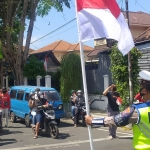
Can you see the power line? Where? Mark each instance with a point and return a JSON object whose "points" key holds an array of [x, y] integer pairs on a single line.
{"points": [[54, 30], [61, 32], [136, 2]]}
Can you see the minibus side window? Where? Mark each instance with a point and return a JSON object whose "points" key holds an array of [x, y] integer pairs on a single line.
{"points": [[27, 97], [20, 95], [13, 94]]}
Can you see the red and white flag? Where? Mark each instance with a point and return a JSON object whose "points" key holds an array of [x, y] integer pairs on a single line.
{"points": [[103, 19], [45, 63]]}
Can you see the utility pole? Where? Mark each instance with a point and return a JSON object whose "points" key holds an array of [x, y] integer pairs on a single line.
{"points": [[129, 59]]}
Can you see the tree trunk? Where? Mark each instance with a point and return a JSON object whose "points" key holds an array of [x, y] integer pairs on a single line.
{"points": [[1, 73], [19, 71], [30, 29]]}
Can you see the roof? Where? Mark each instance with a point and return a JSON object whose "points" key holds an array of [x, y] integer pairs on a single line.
{"points": [[30, 88], [77, 47], [30, 50], [144, 36], [61, 46], [138, 18], [97, 51]]}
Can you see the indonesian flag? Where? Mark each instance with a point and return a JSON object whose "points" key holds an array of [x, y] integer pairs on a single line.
{"points": [[45, 63], [103, 19]]}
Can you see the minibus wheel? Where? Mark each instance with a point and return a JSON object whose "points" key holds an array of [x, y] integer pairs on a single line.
{"points": [[12, 117]]}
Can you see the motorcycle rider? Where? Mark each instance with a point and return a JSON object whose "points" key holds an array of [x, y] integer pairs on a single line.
{"points": [[33, 97], [40, 103], [79, 101], [73, 95]]}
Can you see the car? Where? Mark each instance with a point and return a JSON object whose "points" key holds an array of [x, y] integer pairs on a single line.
{"points": [[19, 97]]}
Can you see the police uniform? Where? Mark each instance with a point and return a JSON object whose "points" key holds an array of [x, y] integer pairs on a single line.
{"points": [[137, 114]]}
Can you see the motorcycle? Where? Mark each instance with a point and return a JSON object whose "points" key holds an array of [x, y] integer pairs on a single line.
{"points": [[82, 115], [49, 124]]}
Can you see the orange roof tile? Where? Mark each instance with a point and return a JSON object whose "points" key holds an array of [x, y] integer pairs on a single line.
{"points": [[62, 46], [30, 50], [138, 18]]}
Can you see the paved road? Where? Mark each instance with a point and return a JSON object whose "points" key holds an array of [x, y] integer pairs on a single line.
{"points": [[18, 137]]}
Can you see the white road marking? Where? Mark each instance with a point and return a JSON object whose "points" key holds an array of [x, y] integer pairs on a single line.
{"points": [[62, 145], [117, 132], [56, 145]]}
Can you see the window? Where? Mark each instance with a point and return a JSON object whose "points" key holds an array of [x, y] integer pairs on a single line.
{"points": [[20, 95], [27, 97], [52, 96], [13, 94]]}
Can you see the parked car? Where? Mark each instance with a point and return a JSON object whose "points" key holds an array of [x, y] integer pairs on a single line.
{"points": [[19, 96]]}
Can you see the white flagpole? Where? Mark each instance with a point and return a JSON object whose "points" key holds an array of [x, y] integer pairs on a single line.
{"points": [[84, 80]]}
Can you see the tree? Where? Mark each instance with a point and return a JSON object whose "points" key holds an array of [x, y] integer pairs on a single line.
{"points": [[71, 75], [120, 75], [1, 66], [13, 15], [33, 68]]}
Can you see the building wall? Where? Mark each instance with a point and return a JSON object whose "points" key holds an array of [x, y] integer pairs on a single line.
{"points": [[137, 30], [59, 55], [95, 79], [144, 61], [51, 66]]}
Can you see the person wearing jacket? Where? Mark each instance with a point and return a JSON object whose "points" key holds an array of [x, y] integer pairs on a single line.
{"points": [[137, 114], [5, 105], [72, 97], [79, 102]]}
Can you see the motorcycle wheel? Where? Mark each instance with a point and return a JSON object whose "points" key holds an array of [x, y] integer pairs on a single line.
{"points": [[83, 120], [54, 131]]}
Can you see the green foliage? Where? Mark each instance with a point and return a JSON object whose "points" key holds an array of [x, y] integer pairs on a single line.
{"points": [[34, 68], [71, 75], [120, 74], [45, 6], [1, 56]]}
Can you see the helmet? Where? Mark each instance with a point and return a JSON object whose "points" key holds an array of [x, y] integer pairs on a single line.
{"points": [[79, 93], [40, 95], [73, 91], [4, 90]]}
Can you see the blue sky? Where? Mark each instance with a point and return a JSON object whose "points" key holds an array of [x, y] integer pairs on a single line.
{"points": [[69, 33]]}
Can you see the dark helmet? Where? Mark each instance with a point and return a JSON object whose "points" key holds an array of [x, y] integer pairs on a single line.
{"points": [[79, 93], [40, 95], [73, 91], [32, 96], [4, 89]]}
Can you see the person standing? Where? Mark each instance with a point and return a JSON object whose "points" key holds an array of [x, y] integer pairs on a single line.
{"points": [[137, 114], [5, 105], [112, 107], [72, 97]]}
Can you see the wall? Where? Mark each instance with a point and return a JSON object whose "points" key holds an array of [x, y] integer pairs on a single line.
{"points": [[95, 80], [144, 61], [136, 30]]}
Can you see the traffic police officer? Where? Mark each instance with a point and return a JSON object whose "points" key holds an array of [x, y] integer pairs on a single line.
{"points": [[137, 114]]}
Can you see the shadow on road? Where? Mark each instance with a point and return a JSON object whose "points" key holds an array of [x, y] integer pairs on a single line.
{"points": [[7, 141], [65, 124], [130, 138], [6, 132]]}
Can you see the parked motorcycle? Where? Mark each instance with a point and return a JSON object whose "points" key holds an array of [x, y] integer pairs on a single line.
{"points": [[49, 124]]}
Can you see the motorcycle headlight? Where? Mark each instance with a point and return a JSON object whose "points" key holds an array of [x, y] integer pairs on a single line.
{"points": [[60, 107]]}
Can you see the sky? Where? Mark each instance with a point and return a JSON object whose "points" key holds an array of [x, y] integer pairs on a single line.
{"points": [[69, 33]]}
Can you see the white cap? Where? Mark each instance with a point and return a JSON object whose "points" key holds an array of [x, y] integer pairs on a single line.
{"points": [[145, 75]]}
